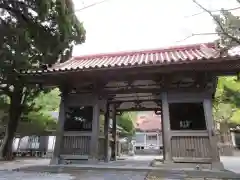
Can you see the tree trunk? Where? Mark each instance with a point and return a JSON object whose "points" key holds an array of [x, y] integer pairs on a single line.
{"points": [[14, 116]]}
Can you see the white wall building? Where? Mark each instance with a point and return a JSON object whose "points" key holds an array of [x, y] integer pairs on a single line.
{"points": [[148, 132], [148, 140]]}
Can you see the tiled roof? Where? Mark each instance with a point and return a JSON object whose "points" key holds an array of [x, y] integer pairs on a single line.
{"points": [[178, 54], [155, 57], [148, 122], [171, 55]]}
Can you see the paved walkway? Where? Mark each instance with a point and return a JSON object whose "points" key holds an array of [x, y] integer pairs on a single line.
{"points": [[111, 175], [19, 163], [9, 175], [231, 163], [81, 175]]}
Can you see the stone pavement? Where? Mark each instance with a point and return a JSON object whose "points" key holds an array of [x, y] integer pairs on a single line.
{"points": [[9, 175], [231, 163], [188, 175], [6, 172], [77, 173], [81, 175], [99, 175], [20, 163], [110, 175]]}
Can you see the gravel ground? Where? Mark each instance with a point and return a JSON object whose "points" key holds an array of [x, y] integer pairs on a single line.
{"points": [[20, 163], [110, 175], [231, 163], [155, 175], [10, 175], [81, 175], [97, 175]]}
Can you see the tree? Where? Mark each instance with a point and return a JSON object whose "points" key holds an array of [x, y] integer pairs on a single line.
{"points": [[226, 107], [126, 121], [227, 27], [38, 121], [227, 98], [33, 34]]}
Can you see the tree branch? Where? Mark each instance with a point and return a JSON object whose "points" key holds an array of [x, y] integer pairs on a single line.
{"points": [[219, 24], [196, 14], [197, 34], [94, 4]]}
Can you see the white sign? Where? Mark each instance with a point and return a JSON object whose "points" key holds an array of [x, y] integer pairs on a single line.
{"points": [[185, 124]]}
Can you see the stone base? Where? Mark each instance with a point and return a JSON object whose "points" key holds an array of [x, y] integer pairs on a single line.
{"points": [[225, 149], [93, 160], [54, 161], [131, 153], [217, 166]]}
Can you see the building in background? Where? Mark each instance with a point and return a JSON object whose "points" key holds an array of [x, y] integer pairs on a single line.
{"points": [[148, 137]]}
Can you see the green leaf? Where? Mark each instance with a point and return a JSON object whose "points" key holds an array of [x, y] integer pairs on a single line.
{"points": [[227, 100]]}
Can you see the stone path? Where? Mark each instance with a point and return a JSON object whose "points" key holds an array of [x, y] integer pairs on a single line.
{"points": [[9, 175], [110, 175], [81, 175], [20, 163], [155, 175], [94, 174], [231, 163], [98, 175]]}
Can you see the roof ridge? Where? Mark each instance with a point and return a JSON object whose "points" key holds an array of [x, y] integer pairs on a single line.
{"points": [[59, 65]]}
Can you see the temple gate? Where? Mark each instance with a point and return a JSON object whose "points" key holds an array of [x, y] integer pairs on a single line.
{"points": [[178, 83]]}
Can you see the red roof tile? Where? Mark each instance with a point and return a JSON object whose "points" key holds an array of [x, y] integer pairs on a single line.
{"points": [[178, 54], [148, 122]]}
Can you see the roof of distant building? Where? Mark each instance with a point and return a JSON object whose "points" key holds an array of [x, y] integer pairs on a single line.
{"points": [[148, 121]]}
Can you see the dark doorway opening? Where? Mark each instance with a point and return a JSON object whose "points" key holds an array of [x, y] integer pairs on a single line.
{"points": [[187, 116]]}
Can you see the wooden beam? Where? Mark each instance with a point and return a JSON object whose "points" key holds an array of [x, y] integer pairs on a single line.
{"points": [[139, 109], [166, 83], [151, 90], [98, 81], [133, 100]]}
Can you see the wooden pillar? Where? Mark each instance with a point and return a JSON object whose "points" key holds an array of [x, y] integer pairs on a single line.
{"points": [[106, 132], [95, 133], [207, 104], [59, 133], [114, 135], [166, 128]]}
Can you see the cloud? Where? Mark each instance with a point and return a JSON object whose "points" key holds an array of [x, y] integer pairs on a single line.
{"points": [[120, 25]]}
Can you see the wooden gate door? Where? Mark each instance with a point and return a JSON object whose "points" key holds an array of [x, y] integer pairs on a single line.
{"points": [[189, 132], [190, 146]]}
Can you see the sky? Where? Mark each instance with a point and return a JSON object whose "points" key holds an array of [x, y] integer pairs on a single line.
{"points": [[125, 25]]}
